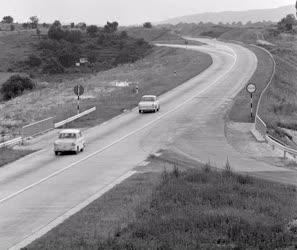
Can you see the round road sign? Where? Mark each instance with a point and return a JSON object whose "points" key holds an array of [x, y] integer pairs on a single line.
{"points": [[251, 88], [78, 90]]}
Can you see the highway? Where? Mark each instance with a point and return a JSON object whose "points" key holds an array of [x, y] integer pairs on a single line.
{"points": [[37, 192]]}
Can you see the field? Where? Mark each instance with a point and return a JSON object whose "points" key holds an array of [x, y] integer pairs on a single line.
{"points": [[154, 74], [179, 204], [14, 47]]}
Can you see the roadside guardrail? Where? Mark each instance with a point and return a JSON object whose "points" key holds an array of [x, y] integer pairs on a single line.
{"points": [[12, 142], [42, 127], [70, 119], [276, 144]]}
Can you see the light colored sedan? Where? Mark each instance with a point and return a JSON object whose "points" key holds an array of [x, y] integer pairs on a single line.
{"points": [[70, 140], [149, 103]]}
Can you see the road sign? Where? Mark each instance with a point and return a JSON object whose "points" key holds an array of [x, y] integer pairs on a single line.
{"points": [[251, 88], [78, 90]]}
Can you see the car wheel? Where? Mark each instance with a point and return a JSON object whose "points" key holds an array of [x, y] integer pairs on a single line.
{"points": [[82, 149], [77, 150], [56, 153], [140, 111]]}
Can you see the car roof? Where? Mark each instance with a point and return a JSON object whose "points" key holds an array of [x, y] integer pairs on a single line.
{"points": [[70, 131], [150, 96]]}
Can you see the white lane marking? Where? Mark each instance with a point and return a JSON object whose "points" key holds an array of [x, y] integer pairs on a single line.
{"points": [[122, 138], [44, 229]]}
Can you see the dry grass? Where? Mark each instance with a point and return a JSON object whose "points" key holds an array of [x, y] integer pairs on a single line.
{"points": [[154, 74], [8, 155], [182, 208]]}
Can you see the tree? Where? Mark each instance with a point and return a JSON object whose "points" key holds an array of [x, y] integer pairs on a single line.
{"points": [[111, 27], [72, 25], [12, 27], [92, 30], [55, 31], [286, 24], [38, 32], [147, 25], [34, 21], [7, 19]]}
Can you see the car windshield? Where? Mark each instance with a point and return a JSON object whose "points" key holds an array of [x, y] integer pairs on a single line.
{"points": [[67, 136], [148, 99]]}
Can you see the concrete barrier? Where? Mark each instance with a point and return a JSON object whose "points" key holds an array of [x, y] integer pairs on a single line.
{"points": [[37, 128], [260, 126]]}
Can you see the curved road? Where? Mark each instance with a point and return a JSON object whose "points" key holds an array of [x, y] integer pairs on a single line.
{"points": [[40, 189]]}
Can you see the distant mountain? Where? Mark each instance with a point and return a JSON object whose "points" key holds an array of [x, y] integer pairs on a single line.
{"points": [[273, 15]]}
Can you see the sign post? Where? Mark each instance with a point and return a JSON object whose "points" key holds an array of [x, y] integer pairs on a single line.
{"points": [[251, 89], [78, 90]]}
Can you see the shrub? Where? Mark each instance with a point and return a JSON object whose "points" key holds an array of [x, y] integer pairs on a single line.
{"points": [[55, 31], [12, 27], [73, 36], [147, 25], [15, 86], [123, 35], [92, 30], [34, 61], [52, 66]]}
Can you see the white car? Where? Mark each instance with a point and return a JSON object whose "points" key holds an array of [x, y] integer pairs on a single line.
{"points": [[149, 103], [69, 140]]}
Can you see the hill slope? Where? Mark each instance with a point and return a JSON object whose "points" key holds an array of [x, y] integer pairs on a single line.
{"points": [[235, 16]]}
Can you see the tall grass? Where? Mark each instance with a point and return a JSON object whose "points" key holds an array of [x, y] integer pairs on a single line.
{"points": [[212, 210]]}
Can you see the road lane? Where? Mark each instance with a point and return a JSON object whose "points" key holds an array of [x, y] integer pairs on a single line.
{"points": [[119, 145]]}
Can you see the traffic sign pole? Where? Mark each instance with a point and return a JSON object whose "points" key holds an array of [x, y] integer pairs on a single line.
{"points": [[78, 90], [78, 99], [251, 88], [251, 106]]}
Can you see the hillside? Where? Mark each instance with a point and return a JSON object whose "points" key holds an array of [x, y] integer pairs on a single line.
{"points": [[259, 15], [153, 34]]}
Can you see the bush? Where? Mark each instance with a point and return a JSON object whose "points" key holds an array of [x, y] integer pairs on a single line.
{"points": [[15, 86], [73, 36], [52, 66], [147, 25], [92, 30], [34, 61], [55, 32]]}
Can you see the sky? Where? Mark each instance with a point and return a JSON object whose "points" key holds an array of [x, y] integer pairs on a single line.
{"points": [[126, 12]]}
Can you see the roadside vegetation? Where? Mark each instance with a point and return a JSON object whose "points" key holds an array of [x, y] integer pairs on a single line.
{"points": [[162, 70], [8, 155], [182, 205], [240, 111], [278, 106]]}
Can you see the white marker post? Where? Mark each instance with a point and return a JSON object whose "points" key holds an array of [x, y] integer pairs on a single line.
{"points": [[251, 88]]}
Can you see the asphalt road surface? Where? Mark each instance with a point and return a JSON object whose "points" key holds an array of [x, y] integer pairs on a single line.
{"points": [[37, 190]]}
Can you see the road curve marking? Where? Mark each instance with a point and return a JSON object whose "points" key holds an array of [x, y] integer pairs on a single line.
{"points": [[122, 138]]}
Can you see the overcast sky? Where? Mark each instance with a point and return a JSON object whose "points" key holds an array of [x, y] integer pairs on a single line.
{"points": [[126, 12]]}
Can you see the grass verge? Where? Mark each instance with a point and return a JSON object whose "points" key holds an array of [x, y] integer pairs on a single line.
{"points": [[240, 111], [187, 207], [159, 72], [8, 155]]}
